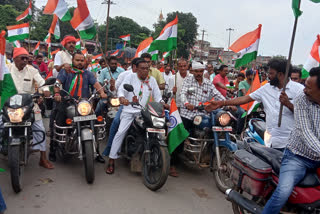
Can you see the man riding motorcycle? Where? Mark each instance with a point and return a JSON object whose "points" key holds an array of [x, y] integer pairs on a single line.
{"points": [[25, 77], [72, 82], [144, 86], [303, 150]]}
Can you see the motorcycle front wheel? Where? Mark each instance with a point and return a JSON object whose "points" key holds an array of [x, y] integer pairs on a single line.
{"points": [[222, 175], [155, 172], [88, 160], [16, 169]]}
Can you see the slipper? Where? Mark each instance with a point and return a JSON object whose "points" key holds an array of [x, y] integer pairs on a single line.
{"points": [[173, 172], [46, 164], [110, 169]]}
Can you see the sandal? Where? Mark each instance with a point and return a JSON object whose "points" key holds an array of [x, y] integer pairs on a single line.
{"points": [[110, 169], [173, 172]]}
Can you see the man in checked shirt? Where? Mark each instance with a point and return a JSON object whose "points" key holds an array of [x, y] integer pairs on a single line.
{"points": [[204, 91], [302, 153]]}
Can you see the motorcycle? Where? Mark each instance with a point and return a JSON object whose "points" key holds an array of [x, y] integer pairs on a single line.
{"points": [[145, 144], [18, 117], [255, 174], [210, 145], [81, 132]]}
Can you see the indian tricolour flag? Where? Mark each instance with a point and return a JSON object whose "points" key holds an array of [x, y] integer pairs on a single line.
{"points": [[220, 59], [165, 55], [125, 37], [115, 53], [18, 32], [7, 87], [313, 59], [143, 47], [27, 14], [176, 131], [96, 57], [58, 7], [55, 27], [154, 55], [78, 44], [82, 21], [167, 39], [247, 45], [36, 49], [16, 44]]}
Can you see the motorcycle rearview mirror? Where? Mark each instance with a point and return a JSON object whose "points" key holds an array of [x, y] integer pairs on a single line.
{"points": [[128, 87], [50, 81]]}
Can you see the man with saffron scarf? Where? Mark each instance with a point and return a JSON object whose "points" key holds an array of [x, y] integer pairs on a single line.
{"points": [[76, 82]]}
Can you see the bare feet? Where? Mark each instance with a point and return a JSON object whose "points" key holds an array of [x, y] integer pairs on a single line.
{"points": [[173, 172], [46, 164], [110, 167]]}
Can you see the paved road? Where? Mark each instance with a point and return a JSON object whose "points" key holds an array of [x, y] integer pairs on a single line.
{"points": [[65, 191]]}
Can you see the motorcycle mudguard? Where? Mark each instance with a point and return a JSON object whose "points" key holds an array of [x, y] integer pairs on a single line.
{"points": [[13, 141], [86, 134], [228, 144]]}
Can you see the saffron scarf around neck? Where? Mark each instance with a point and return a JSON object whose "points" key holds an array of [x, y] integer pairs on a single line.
{"points": [[76, 81]]}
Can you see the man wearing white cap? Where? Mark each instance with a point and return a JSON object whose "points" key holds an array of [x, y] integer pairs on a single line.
{"points": [[204, 91]]}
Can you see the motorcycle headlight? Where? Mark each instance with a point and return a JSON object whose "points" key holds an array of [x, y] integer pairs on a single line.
{"points": [[16, 115], [84, 108], [158, 122], [223, 118], [115, 102]]}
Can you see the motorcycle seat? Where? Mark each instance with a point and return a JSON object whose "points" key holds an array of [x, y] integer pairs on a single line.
{"points": [[260, 127], [274, 157]]}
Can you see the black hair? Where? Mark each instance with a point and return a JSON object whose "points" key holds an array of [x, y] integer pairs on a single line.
{"points": [[77, 52], [279, 65], [145, 55], [296, 70], [139, 61], [222, 67], [39, 56], [241, 75], [249, 72], [135, 60], [315, 72], [102, 61], [113, 58]]}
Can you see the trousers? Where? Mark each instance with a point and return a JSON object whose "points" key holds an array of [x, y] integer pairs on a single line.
{"points": [[292, 171], [125, 123]]}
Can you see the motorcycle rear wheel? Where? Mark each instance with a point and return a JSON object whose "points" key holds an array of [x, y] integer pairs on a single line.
{"points": [[222, 176], [88, 160], [155, 175], [239, 210], [16, 170]]}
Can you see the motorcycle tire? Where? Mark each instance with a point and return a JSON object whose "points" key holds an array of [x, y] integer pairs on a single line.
{"points": [[16, 170], [162, 154], [222, 177], [88, 160]]}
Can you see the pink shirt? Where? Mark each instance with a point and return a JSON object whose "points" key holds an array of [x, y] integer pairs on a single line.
{"points": [[218, 78]]}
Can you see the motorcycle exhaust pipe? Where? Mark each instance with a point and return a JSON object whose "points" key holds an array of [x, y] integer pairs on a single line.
{"points": [[243, 202]]}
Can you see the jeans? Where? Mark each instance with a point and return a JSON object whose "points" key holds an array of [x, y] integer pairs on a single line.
{"points": [[113, 130], [292, 171], [240, 122], [102, 104], [3, 206]]}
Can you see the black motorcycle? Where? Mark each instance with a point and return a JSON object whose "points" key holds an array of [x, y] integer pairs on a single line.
{"points": [[80, 133], [18, 117], [145, 144]]}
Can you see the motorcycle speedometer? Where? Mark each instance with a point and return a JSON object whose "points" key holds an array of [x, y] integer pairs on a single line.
{"points": [[84, 108]]}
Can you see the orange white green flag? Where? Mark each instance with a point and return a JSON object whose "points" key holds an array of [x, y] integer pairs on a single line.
{"points": [[176, 131], [27, 14], [7, 87], [313, 59], [58, 7], [82, 21], [55, 27], [247, 45], [18, 32], [143, 47], [36, 49]]}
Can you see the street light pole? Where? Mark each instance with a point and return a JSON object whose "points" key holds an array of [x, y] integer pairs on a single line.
{"points": [[107, 24], [229, 29]]}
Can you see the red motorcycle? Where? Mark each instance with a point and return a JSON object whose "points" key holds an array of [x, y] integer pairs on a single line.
{"points": [[255, 174]]}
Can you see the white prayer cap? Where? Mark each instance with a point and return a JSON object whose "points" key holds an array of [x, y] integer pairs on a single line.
{"points": [[197, 65]]}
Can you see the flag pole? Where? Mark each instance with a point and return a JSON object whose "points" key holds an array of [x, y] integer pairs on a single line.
{"points": [[29, 45], [288, 63]]}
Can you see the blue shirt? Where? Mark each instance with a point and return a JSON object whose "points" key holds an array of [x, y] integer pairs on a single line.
{"points": [[88, 79], [104, 74]]}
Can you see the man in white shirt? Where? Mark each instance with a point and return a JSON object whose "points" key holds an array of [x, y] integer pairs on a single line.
{"points": [[271, 96], [182, 73], [25, 77], [63, 59], [144, 86], [168, 77]]}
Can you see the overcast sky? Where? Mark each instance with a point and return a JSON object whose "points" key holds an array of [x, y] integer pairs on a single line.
{"points": [[215, 16]]}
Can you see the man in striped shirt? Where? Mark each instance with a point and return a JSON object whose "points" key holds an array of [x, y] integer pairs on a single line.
{"points": [[303, 150]]}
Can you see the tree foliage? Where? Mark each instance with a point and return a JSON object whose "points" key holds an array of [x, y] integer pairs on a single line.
{"points": [[8, 16]]}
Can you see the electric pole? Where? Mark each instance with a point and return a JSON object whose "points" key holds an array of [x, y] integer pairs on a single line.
{"points": [[109, 2], [229, 29], [201, 46]]}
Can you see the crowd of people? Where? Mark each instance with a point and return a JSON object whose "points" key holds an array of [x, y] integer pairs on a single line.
{"points": [[298, 136]]}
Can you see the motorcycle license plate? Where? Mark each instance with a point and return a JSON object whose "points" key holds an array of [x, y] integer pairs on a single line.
{"points": [[222, 129], [85, 118], [17, 124], [156, 130]]}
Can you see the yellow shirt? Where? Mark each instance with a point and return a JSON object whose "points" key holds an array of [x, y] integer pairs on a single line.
{"points": [[157, 75]]}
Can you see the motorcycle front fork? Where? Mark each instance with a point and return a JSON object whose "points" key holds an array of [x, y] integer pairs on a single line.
{"points": [[80, 142]]}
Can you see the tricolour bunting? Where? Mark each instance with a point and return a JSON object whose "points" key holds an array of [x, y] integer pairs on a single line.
{"points": [[27, 14], [247, 45], [55, 27], [58, 7], [18, 32], [167, 39], [176, 131], [313, 59], [82, 21], [7, 87], [143, 47]]}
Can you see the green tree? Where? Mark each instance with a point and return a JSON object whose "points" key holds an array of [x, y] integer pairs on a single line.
{"points": [[19, 5], [187, 31], [8, 16]]}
